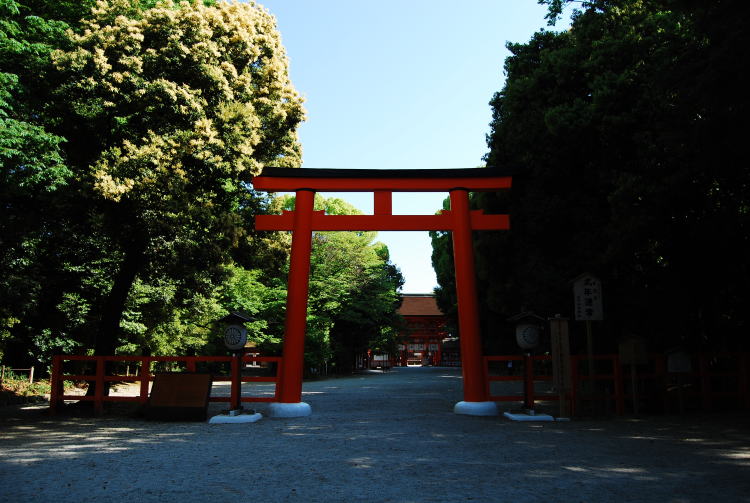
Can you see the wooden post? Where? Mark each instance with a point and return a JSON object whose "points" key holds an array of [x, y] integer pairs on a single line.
{"points": [[277, 383], [561, 374], [590, 353], [662, 380], [619, 398], [145, 375], [99, 391], [236, 389], [634, 387], [575, 383], [31, 375], [705, 382], [55, 384], [528, 382]]}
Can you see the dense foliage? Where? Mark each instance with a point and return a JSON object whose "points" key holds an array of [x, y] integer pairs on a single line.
{"points": [[624, 134], [130, 131]]}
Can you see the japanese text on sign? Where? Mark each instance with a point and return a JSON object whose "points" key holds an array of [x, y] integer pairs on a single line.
{"points": [[587, 294]]}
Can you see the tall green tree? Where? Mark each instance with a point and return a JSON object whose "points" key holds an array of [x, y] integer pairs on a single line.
{"points": [[34, 179], [169, 112], [622, 134]]}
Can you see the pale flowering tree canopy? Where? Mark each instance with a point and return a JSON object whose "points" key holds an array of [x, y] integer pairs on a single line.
{"points": [[169, 111], [181, 98]]}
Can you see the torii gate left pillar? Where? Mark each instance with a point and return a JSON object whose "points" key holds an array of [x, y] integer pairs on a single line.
{"points": [[460, 220]]}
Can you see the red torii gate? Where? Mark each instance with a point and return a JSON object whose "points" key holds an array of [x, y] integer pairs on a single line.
{"points": [[460, 220]]}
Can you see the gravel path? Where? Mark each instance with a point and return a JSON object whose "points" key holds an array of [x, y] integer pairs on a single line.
{"points": [[381, 438]]}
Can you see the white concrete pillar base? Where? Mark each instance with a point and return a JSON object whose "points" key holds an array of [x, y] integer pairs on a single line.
{"points": [[240, 418], [279, 409], [476, 408]]}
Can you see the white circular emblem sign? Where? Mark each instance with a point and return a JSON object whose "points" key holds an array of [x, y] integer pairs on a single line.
{"points": [[235, 337]]}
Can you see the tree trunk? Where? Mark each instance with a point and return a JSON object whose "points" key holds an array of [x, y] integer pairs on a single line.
{"points": [[114, 305], [109, 324]]}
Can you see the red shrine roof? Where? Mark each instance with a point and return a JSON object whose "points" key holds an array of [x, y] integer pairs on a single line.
{"points": [[419, 305]]}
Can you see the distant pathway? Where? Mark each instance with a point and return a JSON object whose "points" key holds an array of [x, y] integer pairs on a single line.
{"points": [[375, 438]]}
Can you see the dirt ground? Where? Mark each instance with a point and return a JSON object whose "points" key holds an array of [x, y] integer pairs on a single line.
{"points": [[380, 437]]}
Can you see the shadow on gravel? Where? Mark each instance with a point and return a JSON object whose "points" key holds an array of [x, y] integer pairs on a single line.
{"points": [[389, 438]]}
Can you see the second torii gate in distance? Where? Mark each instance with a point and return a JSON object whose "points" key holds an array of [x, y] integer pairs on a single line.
{"points": [[460, 220]]}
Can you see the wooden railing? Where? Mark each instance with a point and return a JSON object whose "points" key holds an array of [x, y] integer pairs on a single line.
{"points": [[651, 382], [29, 370], [144, 377], [526, 378]]}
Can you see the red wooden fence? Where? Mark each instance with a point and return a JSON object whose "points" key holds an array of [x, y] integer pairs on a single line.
{"points": [[715, 378], [144, 376], [700, 387]]}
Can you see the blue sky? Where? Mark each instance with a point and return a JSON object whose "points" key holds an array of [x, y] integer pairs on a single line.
{"points": [[400, 85]]}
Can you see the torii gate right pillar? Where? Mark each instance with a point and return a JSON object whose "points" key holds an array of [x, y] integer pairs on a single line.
{"points": [[475, 401]]}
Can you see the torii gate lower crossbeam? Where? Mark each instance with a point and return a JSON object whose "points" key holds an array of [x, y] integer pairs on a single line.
{"points": [[460, 220]]}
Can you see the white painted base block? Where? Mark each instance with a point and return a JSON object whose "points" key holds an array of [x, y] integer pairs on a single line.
{"points": [[528, 417], [299, 409], [239, 418], [476, 408]]}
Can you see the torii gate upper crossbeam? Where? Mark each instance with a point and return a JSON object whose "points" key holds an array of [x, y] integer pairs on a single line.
{"points": [[393, 180]]}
